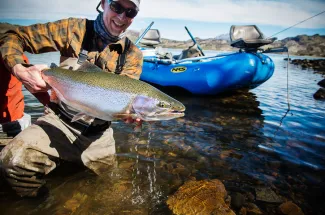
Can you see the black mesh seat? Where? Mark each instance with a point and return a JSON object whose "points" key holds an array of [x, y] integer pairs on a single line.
{"points": [[248, 37]]}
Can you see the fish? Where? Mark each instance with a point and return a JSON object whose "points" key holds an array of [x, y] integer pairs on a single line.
{"points": [[95, 93]]}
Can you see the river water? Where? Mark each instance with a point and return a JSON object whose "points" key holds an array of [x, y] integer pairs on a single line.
{"points": [[241, 139]]}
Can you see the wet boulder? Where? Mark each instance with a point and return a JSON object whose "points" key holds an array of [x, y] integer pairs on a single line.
{"points": [[200, 197], [266, 194], [290, 208], [252, 209], [237, 200], [320, 94], [321, 83], [315, 64]]}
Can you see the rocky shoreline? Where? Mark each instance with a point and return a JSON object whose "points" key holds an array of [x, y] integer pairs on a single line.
{"points": [[318, 66]]}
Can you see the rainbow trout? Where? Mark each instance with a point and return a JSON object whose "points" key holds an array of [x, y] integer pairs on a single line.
{"points": [[106, 96]]}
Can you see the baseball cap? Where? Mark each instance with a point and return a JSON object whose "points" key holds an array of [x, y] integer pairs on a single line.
{"points": [[136, 2]]}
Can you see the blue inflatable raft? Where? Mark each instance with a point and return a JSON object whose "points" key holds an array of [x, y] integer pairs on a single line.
{"points": [[208, 75]]}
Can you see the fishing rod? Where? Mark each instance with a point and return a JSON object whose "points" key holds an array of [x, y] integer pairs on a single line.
{"points": [[296, 24], [143, 34], [198, 46]]}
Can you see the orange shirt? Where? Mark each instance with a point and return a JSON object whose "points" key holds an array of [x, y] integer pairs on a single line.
{"points": [[11, 96]]}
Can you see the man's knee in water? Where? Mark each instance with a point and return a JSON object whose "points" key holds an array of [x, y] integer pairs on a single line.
{"points": [[23, 168]]}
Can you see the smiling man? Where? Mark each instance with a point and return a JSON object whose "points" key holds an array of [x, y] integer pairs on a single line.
{"points": [[37, 150], [118, 24]]}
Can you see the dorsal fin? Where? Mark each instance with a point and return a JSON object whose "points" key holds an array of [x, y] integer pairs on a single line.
{"points": [[89, 67]]}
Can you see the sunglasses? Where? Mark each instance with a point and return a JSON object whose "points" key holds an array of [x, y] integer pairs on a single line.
{"points": [[119, 9]]}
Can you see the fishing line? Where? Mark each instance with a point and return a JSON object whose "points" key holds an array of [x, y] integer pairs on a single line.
{"points": [[288, 98], [296, 24]]}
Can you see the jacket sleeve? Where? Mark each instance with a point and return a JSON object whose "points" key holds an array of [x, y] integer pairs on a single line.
{"points": [[133, 64], [41, 38]]}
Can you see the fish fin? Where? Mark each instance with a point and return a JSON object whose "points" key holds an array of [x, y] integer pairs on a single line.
{"points": [[53, 65], [89, 67], [88, 118], [58, 95], [79, 116]]}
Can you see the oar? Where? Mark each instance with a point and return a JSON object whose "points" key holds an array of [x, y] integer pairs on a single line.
{"points": [[143, 34], [189, 33]]}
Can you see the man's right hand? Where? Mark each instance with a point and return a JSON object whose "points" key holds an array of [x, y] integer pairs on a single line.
{"points": [[31, 77]]}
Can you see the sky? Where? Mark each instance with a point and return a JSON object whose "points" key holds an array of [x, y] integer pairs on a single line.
{"points": [[204, 18]]}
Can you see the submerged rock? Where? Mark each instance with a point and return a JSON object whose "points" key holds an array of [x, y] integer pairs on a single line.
{"points": [[266, 194], [315, 64], [200, 197], [237, 200], [252, 209], [289, 208], [320, 94], [73, 204], [321, 83]]}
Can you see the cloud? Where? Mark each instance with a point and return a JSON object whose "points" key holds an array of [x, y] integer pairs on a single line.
{"points": [[47, 10], [242, 11], [267, 12]]}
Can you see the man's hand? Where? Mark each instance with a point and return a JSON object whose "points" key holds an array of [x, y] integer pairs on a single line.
{"points": [[137, 121], [31, 77], [23, 181]]}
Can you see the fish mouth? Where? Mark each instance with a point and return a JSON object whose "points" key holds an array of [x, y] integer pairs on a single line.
{"points": [[177, 112], [171, 113]]}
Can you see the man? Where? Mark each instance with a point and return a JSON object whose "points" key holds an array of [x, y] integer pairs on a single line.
{"points": [[12, 117], [36, 150]]}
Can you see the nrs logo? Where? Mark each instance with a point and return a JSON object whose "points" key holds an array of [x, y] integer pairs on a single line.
{"points": [[178, 69]]}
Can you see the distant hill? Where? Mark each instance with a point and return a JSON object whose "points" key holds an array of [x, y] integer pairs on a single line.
{"points": [[302, 45], [5, 27], [223, 37]]}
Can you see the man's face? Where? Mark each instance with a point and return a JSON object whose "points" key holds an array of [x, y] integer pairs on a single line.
{"points": [[117, 23]]}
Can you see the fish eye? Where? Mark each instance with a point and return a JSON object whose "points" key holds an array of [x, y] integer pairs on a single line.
{"points": [[163, 105]]}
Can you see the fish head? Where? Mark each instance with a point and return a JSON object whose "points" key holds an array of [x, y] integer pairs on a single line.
{"points": [[164, 107]]}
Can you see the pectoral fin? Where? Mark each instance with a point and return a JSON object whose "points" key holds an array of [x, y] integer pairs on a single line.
{"points": [[82, 116]]}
